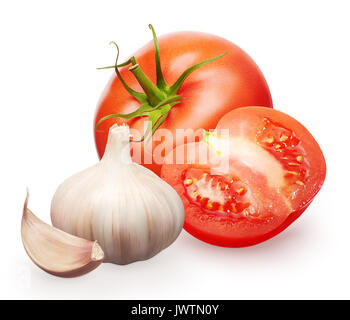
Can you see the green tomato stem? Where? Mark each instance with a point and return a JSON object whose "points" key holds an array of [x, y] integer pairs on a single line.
{"points": [[153, 93]]}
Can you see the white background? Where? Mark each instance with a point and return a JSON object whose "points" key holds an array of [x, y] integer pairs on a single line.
{"points": [[49, 88]]}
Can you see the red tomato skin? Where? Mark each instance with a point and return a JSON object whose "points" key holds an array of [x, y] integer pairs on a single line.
{"points": [[207, 94], [240, 243]]}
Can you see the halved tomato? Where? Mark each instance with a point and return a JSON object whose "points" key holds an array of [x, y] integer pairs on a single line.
{"points": [[249, 179]]}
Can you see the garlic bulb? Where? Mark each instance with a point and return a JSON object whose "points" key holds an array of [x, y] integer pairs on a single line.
{"points": [[128, 209]]}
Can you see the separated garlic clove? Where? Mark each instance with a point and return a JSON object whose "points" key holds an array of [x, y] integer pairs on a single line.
{"points": [[128, 209], [55, 251]]}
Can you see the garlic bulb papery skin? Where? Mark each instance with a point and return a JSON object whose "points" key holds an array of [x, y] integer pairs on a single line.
{"points": [[129, 210]]}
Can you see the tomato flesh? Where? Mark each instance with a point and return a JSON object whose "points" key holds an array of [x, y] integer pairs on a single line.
{"points": [[265, 178]]}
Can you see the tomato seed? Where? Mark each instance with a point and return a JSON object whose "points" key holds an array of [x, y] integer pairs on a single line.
{"points": [[284, 138], [188, 182], [241, 191]]}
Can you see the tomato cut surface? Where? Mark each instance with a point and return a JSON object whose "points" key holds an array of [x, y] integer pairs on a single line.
{"points": [[249, 184]]}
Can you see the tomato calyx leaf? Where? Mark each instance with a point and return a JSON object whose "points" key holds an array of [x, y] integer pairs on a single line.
{"points": [[177, 85], [156, 115], [157, 99], [160, 78]]}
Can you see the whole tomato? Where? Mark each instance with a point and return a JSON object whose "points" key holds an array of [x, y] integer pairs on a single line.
{"points": [[185, 87]]}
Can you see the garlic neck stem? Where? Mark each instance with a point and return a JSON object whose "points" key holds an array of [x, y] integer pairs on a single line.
{"points": [[117, 147]]}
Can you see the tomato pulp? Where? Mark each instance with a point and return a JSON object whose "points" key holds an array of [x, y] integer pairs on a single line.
{"points": [[207, 94], [245, 185]]}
